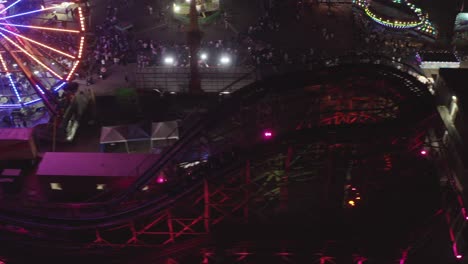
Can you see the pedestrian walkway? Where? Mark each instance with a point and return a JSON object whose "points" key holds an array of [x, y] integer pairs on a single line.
{"points": [[117, 76]]}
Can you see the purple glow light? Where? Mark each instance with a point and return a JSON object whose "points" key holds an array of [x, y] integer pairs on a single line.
{"points": [[161, 179], [267, 134]]}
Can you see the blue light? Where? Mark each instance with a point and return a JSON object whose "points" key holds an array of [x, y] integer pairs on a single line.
{"points": [[37, 86], [26, 13], [10, 105], [33, 101], [60, 86], [14, 87]]}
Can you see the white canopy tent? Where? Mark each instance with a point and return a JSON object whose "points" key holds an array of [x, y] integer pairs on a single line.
{"points": [[164, 131], [139, 132], [123, 134]]}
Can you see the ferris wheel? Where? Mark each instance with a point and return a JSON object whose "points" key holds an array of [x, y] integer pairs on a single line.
{"points": [[41, 46]]}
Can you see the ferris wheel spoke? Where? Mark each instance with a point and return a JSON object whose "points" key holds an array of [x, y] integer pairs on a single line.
{"points": [[12, 83], [38, 43], [10, 6], [41, 28], [31, 56], [29, 12]]}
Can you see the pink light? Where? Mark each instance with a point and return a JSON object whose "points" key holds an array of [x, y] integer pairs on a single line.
{"points": [[423, 152], [31, 56], [267, 134], [38, 43], [459, 256], [161, 179]]}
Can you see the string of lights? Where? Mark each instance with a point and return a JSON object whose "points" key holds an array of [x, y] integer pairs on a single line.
{"points": [[421, 23]]}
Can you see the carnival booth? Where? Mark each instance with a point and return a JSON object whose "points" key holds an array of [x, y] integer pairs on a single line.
{"points": [[17, 144], [79, 177]]}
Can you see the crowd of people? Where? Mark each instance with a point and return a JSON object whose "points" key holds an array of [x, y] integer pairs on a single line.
{"points": [[115, 46]]}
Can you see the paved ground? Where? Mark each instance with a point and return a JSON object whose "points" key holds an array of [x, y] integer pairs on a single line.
{"points": [[294, 34]]}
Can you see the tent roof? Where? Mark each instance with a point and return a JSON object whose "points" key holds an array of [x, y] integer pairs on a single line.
{"points": [[138, 132], [115, 134], [165, 130]]}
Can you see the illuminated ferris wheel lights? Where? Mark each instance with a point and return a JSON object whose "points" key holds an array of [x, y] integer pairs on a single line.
{"points": [[31, 56], [80, 12], [38, 43], [39, 88], [60, 86], [80, 50], [43, 28], [10, 6], [30, 12], [15, 90], [72, 71], [17, 41], [3, 63]]}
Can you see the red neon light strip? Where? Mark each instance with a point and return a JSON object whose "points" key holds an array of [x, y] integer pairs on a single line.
{"points": [[38, 43], [32, 57], [43, 28]]}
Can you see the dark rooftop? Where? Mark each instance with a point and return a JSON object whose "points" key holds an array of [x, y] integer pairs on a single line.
{"points": [[438, 56]]}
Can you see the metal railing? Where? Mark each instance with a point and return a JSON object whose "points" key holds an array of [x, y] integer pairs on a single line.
{"points": [[176, 79]]}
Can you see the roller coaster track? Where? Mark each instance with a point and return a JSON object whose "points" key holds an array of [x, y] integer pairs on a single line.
{"points": [[215, 194]]}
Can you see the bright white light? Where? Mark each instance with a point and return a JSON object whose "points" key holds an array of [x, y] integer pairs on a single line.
{"points": [[169, 60], [225, 60], [454, 98], [56, 186], [176, 8], [36, 72], [187, 1], [203, 56]]}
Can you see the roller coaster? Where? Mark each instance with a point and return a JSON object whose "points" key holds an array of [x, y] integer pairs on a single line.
{"points": [[339, 169]]}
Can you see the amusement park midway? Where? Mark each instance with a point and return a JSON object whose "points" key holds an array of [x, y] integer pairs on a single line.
{"points": [[297, 30], [149, 130]]}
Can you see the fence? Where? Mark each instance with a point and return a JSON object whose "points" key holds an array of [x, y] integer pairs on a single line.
{"points": [[176, 79]]}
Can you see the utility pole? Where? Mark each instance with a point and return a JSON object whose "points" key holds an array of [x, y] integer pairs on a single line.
{"points": [[194, 36]]}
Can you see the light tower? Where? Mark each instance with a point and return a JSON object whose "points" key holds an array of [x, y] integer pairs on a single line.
{"points": [[194, 36]]}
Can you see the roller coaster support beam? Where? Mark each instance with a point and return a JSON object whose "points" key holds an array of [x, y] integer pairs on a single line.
{"points": [[206, 213]]}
